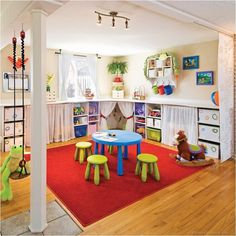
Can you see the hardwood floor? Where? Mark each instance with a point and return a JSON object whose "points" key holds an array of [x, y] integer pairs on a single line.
{"points": [[203, 203]]}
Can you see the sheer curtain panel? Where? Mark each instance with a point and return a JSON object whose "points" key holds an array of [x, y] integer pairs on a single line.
{"points": [[175, 118], [105, 108], [127, 109]]}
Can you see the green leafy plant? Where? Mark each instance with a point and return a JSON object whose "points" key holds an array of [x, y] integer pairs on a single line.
{"points": [[117, 67]]}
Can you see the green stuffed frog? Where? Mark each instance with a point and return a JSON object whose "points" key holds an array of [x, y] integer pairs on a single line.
{"points": [[10, 165]]}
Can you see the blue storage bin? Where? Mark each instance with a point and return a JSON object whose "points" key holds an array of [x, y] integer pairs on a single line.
{"points": [[80, 131]]}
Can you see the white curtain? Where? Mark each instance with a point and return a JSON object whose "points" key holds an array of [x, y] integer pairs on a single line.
{"points": [[105, 108], [175, 118], [64, 67], [59, 123], [92, 62], [226, 94], [127, 109]]}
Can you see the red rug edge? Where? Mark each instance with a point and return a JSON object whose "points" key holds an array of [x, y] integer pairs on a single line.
{"points": [[124, 206]]}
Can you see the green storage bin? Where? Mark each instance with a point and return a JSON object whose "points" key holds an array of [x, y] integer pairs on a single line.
{"points": [[154, 134]]}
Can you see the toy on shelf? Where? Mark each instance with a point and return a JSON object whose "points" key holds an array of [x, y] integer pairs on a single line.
{"points": [[140, 120], [88, 94], [80, 110], [154, 113], [93, 108], [139, 93], [139, 109], [189, 154], [140, 129], [11, 169]]}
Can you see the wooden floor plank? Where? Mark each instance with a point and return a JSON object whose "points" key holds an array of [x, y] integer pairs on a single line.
{"points": [[203, 203]]}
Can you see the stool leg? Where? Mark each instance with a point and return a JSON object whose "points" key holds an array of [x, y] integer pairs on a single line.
{"points": [[91, 150], [144, 172], [106, 171], [76, 154], [110, 149], [81, 155], [96, 175], [137, 168], [150, 168], [102, 149], [125, 152], [156, 172], [87, 171]]}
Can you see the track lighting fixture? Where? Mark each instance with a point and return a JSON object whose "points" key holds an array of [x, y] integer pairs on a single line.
{"points": [[114, 15], [99, 19]]}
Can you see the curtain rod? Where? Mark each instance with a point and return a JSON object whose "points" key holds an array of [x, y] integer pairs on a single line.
{"points": [[76, 55]]}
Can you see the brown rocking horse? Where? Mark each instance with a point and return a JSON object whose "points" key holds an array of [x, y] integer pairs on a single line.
{"points": [[189, 154]]}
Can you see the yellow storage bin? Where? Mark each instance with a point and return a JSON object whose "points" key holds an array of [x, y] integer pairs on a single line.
{"points": [[154, 134]]}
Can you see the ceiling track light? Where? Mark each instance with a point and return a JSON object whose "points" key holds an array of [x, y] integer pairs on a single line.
{"points": [[113, 15], [99, 19]]}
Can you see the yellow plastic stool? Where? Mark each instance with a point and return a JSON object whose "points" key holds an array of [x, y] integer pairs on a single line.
{"points": [[97, 160], [145, 160], [82, 149]]}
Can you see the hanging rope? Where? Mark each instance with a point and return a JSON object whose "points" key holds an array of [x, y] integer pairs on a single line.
{"points": [[14, 40], [23, 162]]}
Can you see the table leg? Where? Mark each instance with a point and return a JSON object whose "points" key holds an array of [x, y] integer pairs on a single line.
{"points": [[126, 152], [120, 161], [96, 148], [103, 149], [138, 148]]}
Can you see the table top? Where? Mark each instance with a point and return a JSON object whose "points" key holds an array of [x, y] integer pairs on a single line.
{"points": [[122, 137]]}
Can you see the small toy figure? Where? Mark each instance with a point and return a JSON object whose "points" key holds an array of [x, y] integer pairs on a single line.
{"points": [[190, 155], [187, 151], [9, 166]]}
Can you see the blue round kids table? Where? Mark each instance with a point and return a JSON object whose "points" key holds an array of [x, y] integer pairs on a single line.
{"points": [[121, 138]]}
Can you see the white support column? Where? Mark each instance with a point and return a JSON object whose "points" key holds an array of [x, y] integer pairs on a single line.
{"points": [[38, 220]]}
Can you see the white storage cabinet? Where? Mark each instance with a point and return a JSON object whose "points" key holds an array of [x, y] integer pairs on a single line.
{"points": [[209, 131]]}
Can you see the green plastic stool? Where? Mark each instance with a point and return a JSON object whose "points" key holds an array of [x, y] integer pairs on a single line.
{"points": [[145, 161], [97, 160], [81, 151]]}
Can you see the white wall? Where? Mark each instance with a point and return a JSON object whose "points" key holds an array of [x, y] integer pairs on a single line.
{"points": [[186, 86]]}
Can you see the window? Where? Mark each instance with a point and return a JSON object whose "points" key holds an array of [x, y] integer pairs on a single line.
{"points": [[77, 73]]}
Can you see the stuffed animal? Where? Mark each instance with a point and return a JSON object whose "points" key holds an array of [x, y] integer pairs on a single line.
{"points": [[187, 151], [9, 166]]}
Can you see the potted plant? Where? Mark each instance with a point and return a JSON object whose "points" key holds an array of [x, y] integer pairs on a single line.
{"points": [[117, 68]]}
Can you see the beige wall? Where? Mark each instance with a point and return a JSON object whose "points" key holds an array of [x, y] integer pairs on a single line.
{"points": [[104, 79], [6, 66], [186, 85]]}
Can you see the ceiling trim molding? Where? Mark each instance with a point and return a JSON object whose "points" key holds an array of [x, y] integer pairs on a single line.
{"points": [[196, 20]]}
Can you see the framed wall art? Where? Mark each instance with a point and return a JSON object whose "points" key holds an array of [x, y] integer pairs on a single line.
{"points": [[204, 78], [190, 63]]}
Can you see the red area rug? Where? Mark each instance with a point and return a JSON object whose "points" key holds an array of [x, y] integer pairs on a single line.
{"points": [[90, 203]]}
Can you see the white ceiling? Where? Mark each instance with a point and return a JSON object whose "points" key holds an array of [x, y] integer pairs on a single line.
{"points": [[154, 25]]}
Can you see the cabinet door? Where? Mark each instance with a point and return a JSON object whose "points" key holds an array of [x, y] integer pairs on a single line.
{"points": [[213, 150], [9, 142], [210, 133], [9, 113], [209, 116], [9, 129]]}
